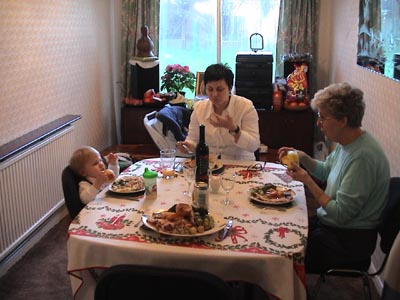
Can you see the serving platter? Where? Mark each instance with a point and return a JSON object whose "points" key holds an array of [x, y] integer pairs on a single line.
{"points": [[270, 194], [219, 224]]}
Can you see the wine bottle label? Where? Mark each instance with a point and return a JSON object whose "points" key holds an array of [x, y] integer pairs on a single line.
{"points": [[202, 168]]}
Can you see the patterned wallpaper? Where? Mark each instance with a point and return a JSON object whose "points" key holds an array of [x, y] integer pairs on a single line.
{"points": [[55, 60], [337, 56]]}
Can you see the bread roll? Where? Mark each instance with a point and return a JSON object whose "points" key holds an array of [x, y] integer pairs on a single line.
{"points": [[110, 175]]}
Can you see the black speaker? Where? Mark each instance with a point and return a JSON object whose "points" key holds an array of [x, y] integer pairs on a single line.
{"points": [[254, 77]]}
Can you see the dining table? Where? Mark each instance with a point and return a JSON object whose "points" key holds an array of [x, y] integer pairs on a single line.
{"points": [[265, 245]]}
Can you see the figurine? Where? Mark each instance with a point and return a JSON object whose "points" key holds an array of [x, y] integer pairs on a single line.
{"points": [[145, 43]]}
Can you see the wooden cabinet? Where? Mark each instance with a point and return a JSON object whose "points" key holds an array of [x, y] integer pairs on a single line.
{"points": [[287, 128], [277, 128], [132, 127]]}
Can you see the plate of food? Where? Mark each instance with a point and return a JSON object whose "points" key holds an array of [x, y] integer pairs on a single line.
{"points": [[128, 184], [183, 220], [271, 194]]}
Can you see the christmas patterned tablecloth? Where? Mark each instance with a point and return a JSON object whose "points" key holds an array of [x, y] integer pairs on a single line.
{"points": [[265, 245]]}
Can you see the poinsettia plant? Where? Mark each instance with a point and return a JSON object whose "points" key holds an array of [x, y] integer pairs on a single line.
{"points": [[177, 77]]}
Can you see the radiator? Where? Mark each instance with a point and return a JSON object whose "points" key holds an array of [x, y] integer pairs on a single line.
{"points": [[30, 188]]}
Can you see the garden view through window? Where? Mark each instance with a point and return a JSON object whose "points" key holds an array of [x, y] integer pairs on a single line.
{"points": [[189, 31]]}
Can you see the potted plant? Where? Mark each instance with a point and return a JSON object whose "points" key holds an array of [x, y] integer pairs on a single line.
{"points": [[176, 78]]}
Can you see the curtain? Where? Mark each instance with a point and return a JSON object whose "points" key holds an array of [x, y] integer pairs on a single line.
{"points": [[297, 31], [134, 15]]}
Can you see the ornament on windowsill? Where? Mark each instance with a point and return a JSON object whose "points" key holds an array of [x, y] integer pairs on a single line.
{"points": [[144, 47], [145, 44], [297, 97]]}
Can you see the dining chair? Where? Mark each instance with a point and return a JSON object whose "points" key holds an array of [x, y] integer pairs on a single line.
{"points": [[127, 281], [70, 185], [391, 284], [387, 230]]}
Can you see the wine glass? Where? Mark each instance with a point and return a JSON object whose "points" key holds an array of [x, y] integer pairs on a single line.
{"points": [[228, 179], [189, 173]]}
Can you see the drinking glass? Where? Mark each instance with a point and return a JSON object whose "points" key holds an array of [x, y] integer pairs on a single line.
{"points": [[189, 174], [228, 179], [212, 160], [167, 157], [215, 182]]}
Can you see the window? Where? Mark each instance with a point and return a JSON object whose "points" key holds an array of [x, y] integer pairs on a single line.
{"points": [[189, 31]]}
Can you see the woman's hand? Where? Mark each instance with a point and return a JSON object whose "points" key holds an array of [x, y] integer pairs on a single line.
{"points": [[283, 151], [219, 121], [185, 147], [299, 174]]}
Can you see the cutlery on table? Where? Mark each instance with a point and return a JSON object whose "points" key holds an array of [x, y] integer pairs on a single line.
{"points": [[223, 234]]}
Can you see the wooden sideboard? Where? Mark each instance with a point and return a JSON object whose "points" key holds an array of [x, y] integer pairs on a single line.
{"points": [[287, 128], [277, 128], [132, 127]]}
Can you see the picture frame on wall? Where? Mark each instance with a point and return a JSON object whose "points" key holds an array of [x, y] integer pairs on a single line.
{"points": [[200, 87]]}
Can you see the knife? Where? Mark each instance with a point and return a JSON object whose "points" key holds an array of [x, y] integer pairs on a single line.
{"points": [[224, 233]]}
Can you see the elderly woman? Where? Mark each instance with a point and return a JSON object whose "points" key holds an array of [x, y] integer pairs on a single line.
{"points": [[357, 175], [231, 122]]}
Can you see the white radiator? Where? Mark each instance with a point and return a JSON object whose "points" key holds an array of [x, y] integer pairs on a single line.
{"points": [[30, 188]]}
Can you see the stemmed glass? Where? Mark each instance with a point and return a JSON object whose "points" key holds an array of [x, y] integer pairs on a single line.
{"points": [[228, 179], [189, 173]]}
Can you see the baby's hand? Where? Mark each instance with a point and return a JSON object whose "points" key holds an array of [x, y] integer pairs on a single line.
{"points": [[101, 179], [112, 158]]}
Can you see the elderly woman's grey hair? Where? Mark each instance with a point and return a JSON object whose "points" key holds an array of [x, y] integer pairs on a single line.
{"points": [[341, 100]]}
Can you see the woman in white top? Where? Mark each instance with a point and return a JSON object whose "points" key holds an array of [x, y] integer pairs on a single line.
{"points": [[231, 121]]}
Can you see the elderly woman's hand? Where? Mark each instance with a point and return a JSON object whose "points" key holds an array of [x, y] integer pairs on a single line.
{"points": [[298, 173]]}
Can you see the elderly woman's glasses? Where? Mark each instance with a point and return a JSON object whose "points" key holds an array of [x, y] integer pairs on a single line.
{"points": [[322, 119]]}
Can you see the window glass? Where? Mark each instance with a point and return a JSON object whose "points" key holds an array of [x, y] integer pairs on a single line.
{"points": [[188, 31]]}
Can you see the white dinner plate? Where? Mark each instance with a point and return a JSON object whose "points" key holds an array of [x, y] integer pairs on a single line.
{"points": [[219, 224], [263, 199], [118, 187]]}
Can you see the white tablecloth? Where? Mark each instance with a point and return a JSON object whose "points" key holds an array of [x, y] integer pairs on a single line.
{"points": [[266, 245]]}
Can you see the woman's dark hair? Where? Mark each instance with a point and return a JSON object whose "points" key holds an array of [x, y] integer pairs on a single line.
{"points": [[217, 72]]}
